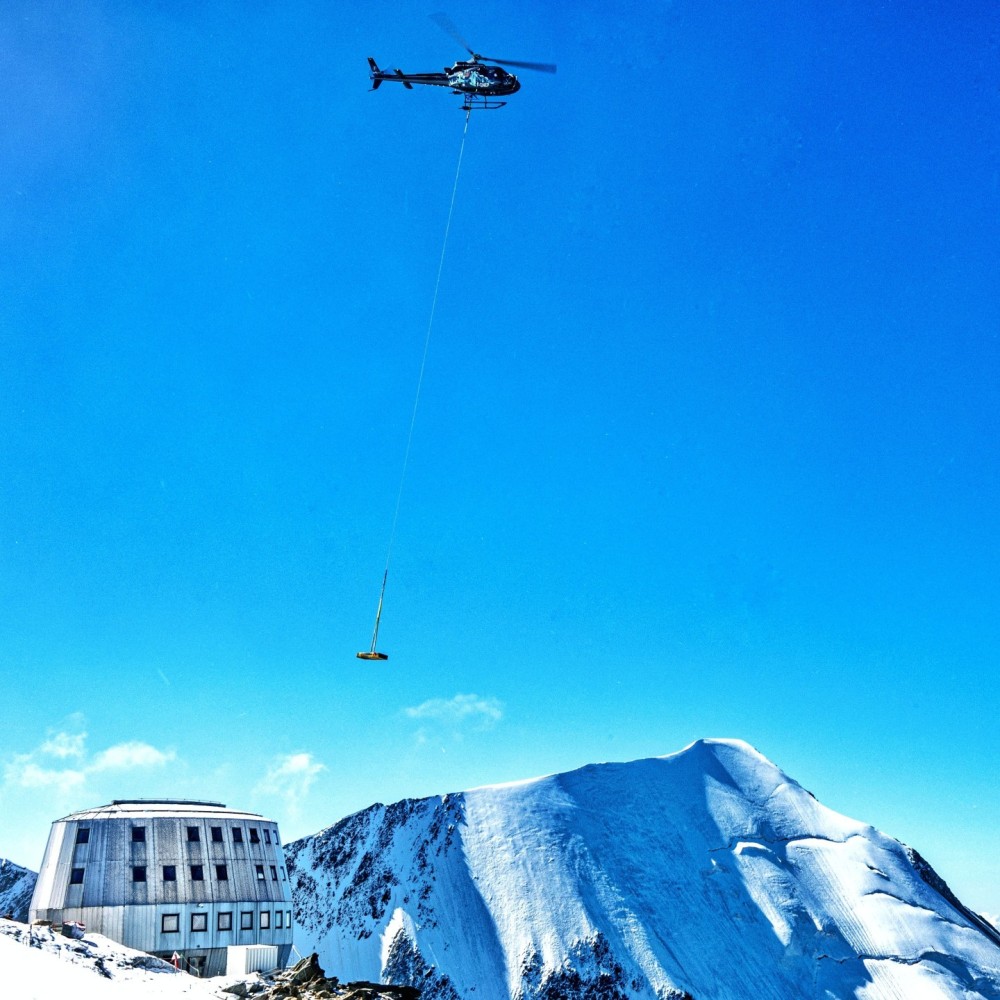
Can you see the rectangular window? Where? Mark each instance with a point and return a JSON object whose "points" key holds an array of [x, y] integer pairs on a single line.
{"points": [[260, 873], [288, 918], [254, 835], [221, 874], [199, 922], [193, 835], [282, 873], [274, 874], [277, 919], [216, 834], [237, 834], [138, 835], [169, 873], [197, 873], [170, 923], [267, 835], [76, 876], [246, 921], [225, 921], [138, 873], [265, 919], [83, 835]]}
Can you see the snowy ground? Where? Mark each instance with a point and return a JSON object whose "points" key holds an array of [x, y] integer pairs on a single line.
{"points": [[36, 964]]}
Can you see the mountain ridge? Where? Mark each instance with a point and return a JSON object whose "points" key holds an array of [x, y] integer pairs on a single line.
{"points": [[631, 880], [16, 886]]}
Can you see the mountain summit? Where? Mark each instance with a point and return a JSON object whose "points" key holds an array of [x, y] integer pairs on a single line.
{"points": [[707, 874]]}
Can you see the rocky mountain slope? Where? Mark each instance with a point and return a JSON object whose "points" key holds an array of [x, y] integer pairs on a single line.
{"points": [[706, 874], [16, 886]]}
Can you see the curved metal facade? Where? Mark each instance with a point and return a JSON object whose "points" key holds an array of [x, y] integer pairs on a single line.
{"points": [[193, 878]]}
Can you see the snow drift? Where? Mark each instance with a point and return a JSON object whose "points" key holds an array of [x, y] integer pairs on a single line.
{"points": [[707, 874]]}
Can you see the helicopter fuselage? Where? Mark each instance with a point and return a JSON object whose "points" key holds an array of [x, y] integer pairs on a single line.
{"points": [[482, 79], [472, 78]]}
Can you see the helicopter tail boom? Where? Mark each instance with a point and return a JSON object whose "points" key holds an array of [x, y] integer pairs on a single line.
{"points": [[379, 76]]}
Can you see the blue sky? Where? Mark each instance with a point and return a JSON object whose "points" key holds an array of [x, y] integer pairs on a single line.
{"points": [[707, 443]]}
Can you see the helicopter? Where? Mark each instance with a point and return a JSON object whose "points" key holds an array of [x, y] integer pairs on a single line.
{"points": [[479, 82]]}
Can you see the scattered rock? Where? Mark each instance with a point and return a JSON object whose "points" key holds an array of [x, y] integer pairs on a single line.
{"points": [[306, 980]]}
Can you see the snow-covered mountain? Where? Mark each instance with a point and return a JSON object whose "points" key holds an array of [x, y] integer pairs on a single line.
{"points": [[16, 886], [707, 874]]}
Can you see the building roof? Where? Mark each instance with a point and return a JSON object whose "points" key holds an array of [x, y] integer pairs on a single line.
{"points": [[162, 808]]}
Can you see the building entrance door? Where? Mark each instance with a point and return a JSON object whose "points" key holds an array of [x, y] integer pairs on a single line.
{"points": [[196, 964]]}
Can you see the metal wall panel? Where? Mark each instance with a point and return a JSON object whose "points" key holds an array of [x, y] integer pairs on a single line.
{"points": [[44, 897]]}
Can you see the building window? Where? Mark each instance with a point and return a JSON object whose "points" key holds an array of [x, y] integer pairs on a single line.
{"points": [[216, 834], [138, 835], [274, 874], [193, 835], [76, 876], [138, 873], [282, 873], [199, 922], [276, 841], [221, 874], [288, 918], [237, 834], [267, 835], [169, 873], [265, 919], [197, 873], [254, 835], [277, 919], [260, 873], [83, 835], [246, 921], [170, 923], [225, 921]]}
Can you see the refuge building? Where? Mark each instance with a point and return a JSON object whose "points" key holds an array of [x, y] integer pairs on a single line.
{"points": [[172, 877]]}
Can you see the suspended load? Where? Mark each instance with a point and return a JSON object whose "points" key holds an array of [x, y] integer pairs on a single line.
{"points": [[372, 654]]}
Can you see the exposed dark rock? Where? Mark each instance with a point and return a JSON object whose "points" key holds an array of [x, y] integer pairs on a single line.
{"points": [[589, 973], [306, 980], [931, 877], [405, 965]]}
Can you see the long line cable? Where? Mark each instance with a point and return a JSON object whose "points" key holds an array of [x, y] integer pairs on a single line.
{"points": [[420, 382]]}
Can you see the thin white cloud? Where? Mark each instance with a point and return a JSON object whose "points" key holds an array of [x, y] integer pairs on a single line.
{"points": [[64, 745], [289, 777], [461, 708], [36, 771], [23, 772], [128, 755]]}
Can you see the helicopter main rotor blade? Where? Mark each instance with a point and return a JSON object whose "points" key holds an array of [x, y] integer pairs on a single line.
{"points": [[541, 67], [445, 23]]}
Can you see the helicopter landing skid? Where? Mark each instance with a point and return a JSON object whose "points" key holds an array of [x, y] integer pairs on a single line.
{"points": [[473, 102]]}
